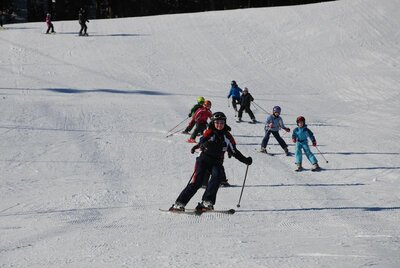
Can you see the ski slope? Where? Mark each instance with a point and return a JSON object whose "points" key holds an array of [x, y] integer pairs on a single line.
{"points": [[85, 164]]}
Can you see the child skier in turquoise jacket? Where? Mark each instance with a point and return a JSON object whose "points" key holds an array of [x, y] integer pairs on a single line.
{"points": [[300, 136]]}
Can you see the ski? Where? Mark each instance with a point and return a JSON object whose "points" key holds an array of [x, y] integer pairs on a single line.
{"points": [[266, 153], [198, 213]]}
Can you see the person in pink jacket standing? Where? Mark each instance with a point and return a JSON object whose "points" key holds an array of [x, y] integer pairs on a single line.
{"points": [[50, 25]]}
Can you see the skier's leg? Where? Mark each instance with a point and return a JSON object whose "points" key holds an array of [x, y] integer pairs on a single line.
{"points": [[197, 129], [278, 137], [240, 113], [248, 110], [213, 185], [298, 154], [234, 104], [190, 126], [190, 190], [265, 140], [309, 154]]}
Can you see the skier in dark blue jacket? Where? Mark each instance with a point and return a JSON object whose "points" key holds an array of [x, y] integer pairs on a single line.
{"points": [[235, 92]]}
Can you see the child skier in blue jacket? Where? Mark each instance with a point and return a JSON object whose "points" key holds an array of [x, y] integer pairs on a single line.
{"points": [[235, 92], [300, 136]]}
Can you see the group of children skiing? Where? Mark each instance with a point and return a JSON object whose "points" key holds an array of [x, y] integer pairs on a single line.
{"points": [[82, 18], [216, 139]]}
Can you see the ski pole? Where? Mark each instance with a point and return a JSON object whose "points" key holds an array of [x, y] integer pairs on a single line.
{"points": [[228, 103], [178, 124], [179, 130], [261, 108], [255, 106], [244, 181], [191, 177], [322, 155]]}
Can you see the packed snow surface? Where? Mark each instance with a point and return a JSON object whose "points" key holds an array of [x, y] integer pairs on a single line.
{"points": [[86, 165]]}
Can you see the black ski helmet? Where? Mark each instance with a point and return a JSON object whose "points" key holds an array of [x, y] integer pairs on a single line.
{"points": [[233, 83], [218, 116]]}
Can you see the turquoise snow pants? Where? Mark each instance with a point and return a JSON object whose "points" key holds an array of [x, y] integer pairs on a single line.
{"points": [[307, 151]]}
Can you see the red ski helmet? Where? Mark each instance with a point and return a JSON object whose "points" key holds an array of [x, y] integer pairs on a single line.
{"points": [[300, 118]]}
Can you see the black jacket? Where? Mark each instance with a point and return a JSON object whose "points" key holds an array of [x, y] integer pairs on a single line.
{"points": [[214, 144], [246, 99]]}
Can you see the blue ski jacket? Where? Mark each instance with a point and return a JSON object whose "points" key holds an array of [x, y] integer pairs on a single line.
{"points": [[235, 92], [301, 134], [273, 123]]}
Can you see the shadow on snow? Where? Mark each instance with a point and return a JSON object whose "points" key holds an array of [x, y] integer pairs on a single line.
{"points": [[368, 209]]}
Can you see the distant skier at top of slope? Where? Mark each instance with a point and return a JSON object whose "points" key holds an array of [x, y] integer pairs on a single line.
{"points": [[49, 23], [199, 104], [300, 137], [82, 21], [245, 105], [273, 124], [215, 141], [235, 92]]}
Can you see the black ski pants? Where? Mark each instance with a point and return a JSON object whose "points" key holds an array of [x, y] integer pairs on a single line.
{"points": [[199, 129], [202, 168], [247, 110], [278, 137], [83, 28], [235, 102], [50, 27]]}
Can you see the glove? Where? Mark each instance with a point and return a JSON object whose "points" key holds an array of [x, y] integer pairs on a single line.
{"points": [[194, 148], [287, 129], [314, 143], [270, 125], [294, 140], [248, 161]]}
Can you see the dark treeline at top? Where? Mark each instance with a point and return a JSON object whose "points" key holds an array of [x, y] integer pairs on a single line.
{"points": [[68, 9]]}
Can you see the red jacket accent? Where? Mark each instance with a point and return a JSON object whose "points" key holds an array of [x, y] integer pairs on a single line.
{"points": [[202, 115], [209, 132]]}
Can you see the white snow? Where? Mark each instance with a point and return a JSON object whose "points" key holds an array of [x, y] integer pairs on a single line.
{"points": [[85, 165]]}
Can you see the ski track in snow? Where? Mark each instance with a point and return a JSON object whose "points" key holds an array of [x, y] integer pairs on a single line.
{"points": [[86, 165]]}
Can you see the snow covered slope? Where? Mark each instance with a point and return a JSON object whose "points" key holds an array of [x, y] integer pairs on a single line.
{"points": [[85, 164]]}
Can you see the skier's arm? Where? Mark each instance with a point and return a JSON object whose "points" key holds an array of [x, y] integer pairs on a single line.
{"points": [[282, 125], [311, 136], [239, 156], [230, 93]]}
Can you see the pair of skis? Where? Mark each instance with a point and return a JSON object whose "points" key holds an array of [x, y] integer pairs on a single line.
{"points": [[198, 213]]}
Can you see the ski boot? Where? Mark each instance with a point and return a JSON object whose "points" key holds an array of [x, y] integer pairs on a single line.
{"points": [[299, 167], [204, 206], [185, 132], [315, 167], [224, 184], [263, 150], [177, 207], [239, 120], [287, 151], [190, 140]]}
